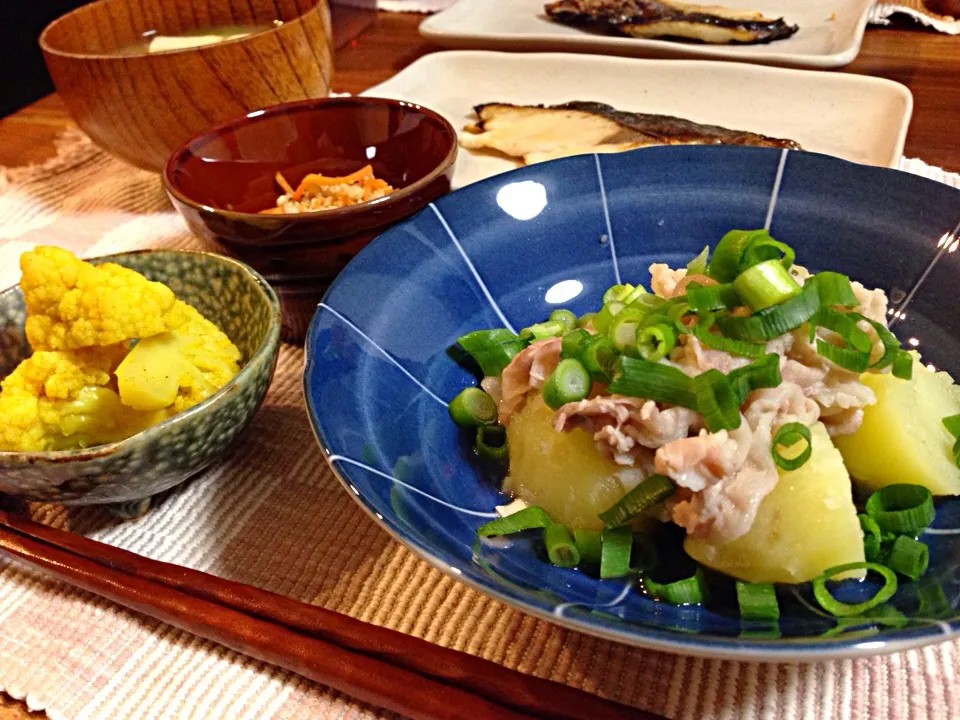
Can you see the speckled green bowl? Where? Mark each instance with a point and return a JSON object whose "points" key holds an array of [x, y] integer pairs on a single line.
{"points": [[130, 471]]}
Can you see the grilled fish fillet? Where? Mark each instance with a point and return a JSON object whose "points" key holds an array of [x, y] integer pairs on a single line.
{"points": [[667, 18], [536, 133]]}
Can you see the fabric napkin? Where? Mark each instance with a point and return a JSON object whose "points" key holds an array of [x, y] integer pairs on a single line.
{"points": [[273, 515]]}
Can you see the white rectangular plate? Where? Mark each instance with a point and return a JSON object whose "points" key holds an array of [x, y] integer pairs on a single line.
{"points": [[829, 36], [859, 118]]}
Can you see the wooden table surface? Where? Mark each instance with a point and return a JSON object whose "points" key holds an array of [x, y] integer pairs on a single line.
{"points": [[926, 62]]}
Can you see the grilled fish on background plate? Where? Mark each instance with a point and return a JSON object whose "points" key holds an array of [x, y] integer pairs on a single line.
{"points": [[536, 133], [666, 18]]}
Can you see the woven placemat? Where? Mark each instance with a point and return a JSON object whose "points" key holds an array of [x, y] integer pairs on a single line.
{"points": [[273, 515]]}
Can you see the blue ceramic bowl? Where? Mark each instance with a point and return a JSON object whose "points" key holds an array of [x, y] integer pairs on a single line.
{"points": [[510, 249]]}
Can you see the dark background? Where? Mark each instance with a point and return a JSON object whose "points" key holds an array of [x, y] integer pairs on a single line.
{"points": [[23, 76]]}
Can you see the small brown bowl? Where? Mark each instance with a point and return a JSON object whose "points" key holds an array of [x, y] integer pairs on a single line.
{"points": [[221, 179], [140, 106]]}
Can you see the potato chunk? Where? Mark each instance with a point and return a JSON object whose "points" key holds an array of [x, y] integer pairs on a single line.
{"points": [[902, 438], [805, 525], [149, 377], [562, 472]]}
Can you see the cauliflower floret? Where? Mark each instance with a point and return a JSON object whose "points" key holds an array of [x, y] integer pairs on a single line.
{"points": [[211, 360], [63, 399], [84, 385], [178, 369], [73, 304]]}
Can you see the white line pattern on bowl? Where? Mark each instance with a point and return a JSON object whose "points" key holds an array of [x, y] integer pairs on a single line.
{"points": [[380, 473], [944, 247], [476, 275], [776, 189], [558, 610], [383, 352], [606, 216]]}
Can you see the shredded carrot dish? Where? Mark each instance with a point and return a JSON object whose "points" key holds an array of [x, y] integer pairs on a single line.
{"points": [[319, 192]]}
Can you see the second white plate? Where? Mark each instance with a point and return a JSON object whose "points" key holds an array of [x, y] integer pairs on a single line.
{"points": [[855, 117], [830, 32]]}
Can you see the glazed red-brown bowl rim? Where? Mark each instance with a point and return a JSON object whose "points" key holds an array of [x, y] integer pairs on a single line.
{"points": [[66, 17], [396, 197]]}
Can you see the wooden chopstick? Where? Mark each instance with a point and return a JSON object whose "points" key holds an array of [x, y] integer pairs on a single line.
{"points": [[374, 664]]}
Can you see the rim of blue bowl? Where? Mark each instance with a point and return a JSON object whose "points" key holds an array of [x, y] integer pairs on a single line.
{"points": [[693, 644], [296, 105], [269, 346]]}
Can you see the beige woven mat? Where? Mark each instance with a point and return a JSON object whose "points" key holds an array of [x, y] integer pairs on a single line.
{"points": [[274, 516]]}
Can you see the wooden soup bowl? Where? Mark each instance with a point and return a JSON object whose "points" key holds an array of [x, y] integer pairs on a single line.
{"points": [[141, 106]]}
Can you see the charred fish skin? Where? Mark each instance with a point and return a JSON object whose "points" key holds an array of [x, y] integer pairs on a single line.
{"points": [[674, 130], [642, 128], [656, 18]]}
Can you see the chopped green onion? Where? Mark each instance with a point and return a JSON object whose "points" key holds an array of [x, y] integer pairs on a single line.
{"points": [[854, 355], [902, 508], [776, 320], [872, 539], [565, 317], [661, 383], [890, 343], [688, 591], [788, 435], [769, 632], [560, 547], [624, 327], [717, 401], [654, 342], [492, 349], [885, 615], [729, 345], [615, 546], [644, 554], [586, 319], [724, 265], [933, 601], [569, 382], [603, 319], [616, 292], [908, 557], [765, 284], [599, 357], [472, 407], [712, 297], [903, 365], [647, 302], [761, 248], [526, 519], [848, 359], [761, 373], [588, 545], [845, 325], [834, 289], [952, 424], [491, 442], [676, 313], [573, 342], [698, 266], [655, 489], [539, 331], [635, 295], [758, 601], [841, 609], [655, 317]]}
